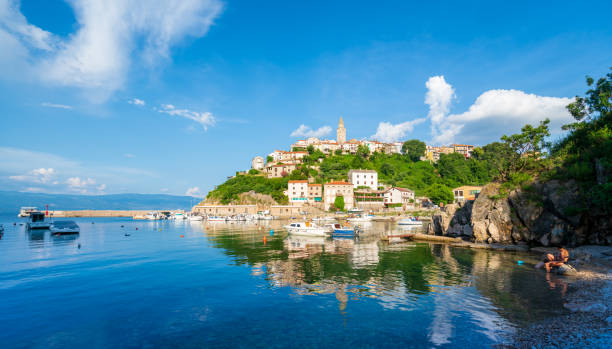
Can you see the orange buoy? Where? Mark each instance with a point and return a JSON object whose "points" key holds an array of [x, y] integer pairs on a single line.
{"points": [[182, 235], [265, 240]]}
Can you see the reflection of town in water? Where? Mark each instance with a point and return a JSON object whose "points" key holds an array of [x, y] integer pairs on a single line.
{"points": [[396, 273]]}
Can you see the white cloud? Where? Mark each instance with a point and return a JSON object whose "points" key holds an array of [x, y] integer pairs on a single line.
{"points": [[85, 186], [439, 97], [51, 172], [388, 132], [40, 175], [205, 119], [306, 132], [110, 35], [194, 191], [498, 112], [53, 105], [136, 101]]}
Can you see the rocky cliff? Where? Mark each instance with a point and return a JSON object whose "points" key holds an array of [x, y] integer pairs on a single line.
{"points": [[546, 213]]}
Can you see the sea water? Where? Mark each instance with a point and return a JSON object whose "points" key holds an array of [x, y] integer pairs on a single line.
{"points": [[126, 283]]}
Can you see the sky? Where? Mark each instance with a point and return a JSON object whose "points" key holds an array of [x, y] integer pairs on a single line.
{"points": [[137, 96]]}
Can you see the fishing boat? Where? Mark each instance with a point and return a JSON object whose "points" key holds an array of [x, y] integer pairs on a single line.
{"points": [[26, 211], [305, 228], [64, 227], [37, 221], [409, 221]]}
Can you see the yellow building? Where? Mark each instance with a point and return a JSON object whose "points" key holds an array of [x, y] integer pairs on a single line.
{"points": [[466, 192]]}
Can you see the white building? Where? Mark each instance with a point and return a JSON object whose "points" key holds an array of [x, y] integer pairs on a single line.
{"points": [[297, 192], [258, 163], [367, 178], [395, 196], [332, 190]]}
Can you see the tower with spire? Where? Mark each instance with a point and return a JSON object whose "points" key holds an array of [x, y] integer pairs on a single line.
{"points": [[341, 132]]}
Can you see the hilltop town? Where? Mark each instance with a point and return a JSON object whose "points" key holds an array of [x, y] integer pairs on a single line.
{"points": [[358, 189]]}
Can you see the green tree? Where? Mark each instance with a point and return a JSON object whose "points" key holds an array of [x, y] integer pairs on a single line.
{"points": [[253, 171], [269, 158], [338, 152], [387, 169], [414, 149], [438, 193], [310, 149], [339, 203], [526, 148], [363, 151]]}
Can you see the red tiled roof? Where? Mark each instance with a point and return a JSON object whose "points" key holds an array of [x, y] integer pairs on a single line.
{"points": [[339, 183], [299, 181], [314, 185]]}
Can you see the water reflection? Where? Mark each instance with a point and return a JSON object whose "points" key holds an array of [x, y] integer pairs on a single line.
{"points": [[482, 287]]}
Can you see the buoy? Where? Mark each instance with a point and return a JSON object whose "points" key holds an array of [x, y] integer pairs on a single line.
{"points": [[519, 262], [182, 235], [265, 240], [126, 234], [79, 246], [121, 225], [136, 228], [271, 232]]}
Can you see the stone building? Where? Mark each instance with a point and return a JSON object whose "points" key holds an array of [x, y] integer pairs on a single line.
{"points": [[258, 163], [341, 132], [332, 190]]}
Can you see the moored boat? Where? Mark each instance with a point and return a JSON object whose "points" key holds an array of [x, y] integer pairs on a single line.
{"points": [[37, 221], [337, 228], [305, 228], [216, 219], [26, 211], [64, 227]]}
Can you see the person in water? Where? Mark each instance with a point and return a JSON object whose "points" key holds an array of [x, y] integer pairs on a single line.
{"points": [[554, 260]]}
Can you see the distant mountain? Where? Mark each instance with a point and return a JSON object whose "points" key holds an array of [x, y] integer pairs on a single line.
{"points": [[11, 201]]}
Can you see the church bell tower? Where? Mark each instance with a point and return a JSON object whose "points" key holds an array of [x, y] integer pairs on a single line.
{"points": [[341, 133]]}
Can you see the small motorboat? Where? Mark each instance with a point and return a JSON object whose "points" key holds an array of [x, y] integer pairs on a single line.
{"points": [[37, 221], [194, 218], [409, 221], [64, 227], [305, 228], [337, 228]]}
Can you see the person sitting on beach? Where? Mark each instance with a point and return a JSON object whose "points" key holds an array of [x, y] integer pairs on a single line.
{"points": [[554, 260]]}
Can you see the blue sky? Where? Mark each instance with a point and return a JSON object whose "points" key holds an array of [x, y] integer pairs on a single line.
{"points": [[138, 96]]}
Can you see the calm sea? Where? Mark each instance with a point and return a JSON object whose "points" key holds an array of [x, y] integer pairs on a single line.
{"points": [[124, 283]]}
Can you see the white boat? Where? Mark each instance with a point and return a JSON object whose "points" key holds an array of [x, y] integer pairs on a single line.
{"points": [[37, 221], [216, 219], [409, 221], [195, 218], [25, 211], [305, 228], [179, 216], [152, 216], [360, 218], [64, 227]]}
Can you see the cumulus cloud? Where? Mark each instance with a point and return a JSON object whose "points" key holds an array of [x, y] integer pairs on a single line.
{"points": [[205, 119], [136, 101], [40, 175], [85, 186], [194, 191], [306, 132], [110, 35], [439, 97], [53, 105], [496, 112], [388, 132]]}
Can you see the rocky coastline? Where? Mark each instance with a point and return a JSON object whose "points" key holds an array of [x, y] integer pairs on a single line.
{"points": [[534, 219]]}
